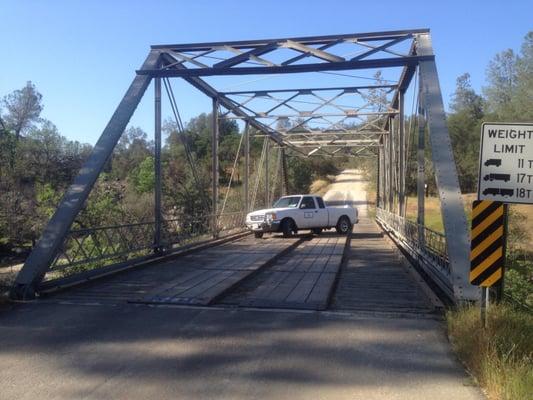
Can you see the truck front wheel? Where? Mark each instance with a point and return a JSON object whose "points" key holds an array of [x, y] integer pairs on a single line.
{"points": [[288, 227], [258, 235], [344, 226]]}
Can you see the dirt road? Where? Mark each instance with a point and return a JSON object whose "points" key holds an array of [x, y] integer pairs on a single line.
{"points": [[348, 189]]}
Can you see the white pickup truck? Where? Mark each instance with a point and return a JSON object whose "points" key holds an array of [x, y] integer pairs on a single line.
{"points": [[308, 211]]}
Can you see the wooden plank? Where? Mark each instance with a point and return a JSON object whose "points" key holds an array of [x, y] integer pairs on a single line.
{"points": [[321, 292], [303, 288], [267, 286], [303, 281], [186, 279]]}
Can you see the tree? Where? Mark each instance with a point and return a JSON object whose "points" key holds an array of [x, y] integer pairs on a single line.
{"points": [[464, 125], [132, 149], [377, 97], [502, 78], [523, 97], [23, 107], [465, 99]]}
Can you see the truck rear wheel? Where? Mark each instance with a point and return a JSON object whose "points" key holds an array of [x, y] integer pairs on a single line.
{"points": [[344, 226]]}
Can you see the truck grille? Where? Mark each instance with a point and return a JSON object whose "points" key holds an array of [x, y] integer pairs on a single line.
{"points": [[257, 217]]}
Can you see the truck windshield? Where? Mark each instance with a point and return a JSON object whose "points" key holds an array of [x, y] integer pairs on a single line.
{"points": [[287, 202]]}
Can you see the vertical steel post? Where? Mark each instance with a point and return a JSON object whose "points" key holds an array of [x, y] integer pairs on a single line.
{"points": [[401, 155], [378, 178], [382, 170], [157, 164], [284, 171], [391, 166], [385, 196], [214, 154], [421, 168], [267, 173], [246, 167]]}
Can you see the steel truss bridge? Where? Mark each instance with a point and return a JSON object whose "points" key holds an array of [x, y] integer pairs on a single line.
{"points": [[339, 120]]}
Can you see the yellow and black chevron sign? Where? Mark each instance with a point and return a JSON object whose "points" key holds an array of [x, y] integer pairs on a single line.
{"points": [[487, 243]]}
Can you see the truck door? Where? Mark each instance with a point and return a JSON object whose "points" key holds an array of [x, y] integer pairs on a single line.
{"points": [[306, 213], [321, 214]]}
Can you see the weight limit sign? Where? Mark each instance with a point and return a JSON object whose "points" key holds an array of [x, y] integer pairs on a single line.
{"points": [[506, 163]]}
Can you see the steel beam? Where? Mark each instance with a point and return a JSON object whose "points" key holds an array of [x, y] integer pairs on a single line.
{"points": [[285, 173], [405, 79], [54, 233], [390, 62], [324, 55], [382, 47], [421, 169], [401, 139], [378, 178], [157, 165], [391, 167], [246, 167], [309, 40], [267, 173], [246, 56], [214, 167], [348, 89], [452, 208]]}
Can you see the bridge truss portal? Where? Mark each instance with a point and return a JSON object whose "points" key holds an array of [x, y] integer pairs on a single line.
{"points": [[316, 120]]}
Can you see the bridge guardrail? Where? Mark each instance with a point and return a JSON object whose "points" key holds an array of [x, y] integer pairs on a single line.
{"points": [[424, 245], [93, 248]]}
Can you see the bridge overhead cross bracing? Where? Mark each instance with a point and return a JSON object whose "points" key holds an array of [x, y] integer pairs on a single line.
{"points": [[311, 120]]}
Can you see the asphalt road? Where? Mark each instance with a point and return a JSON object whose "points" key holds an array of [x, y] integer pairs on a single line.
{"points": [[51, 350]]}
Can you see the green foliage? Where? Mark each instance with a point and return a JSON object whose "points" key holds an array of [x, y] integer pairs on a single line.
{"points": [[144, 176], [303, 171], [299, 174], [519, 260], [47, 199]]}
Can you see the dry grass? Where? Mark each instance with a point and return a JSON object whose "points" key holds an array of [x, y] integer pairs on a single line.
{"points": [[320, 186], [500, 356], [433, 217], [521, 214]]}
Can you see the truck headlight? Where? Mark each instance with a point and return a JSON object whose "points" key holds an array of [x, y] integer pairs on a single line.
{"points": [[270, 216]]}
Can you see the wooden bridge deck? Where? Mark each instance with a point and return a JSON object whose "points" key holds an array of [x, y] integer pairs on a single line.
{"points": [[197, 278], [299, 273], [303, 279], [376, 279]]}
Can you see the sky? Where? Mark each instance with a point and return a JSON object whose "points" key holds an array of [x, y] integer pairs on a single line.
{"points": [[82, 55]]}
